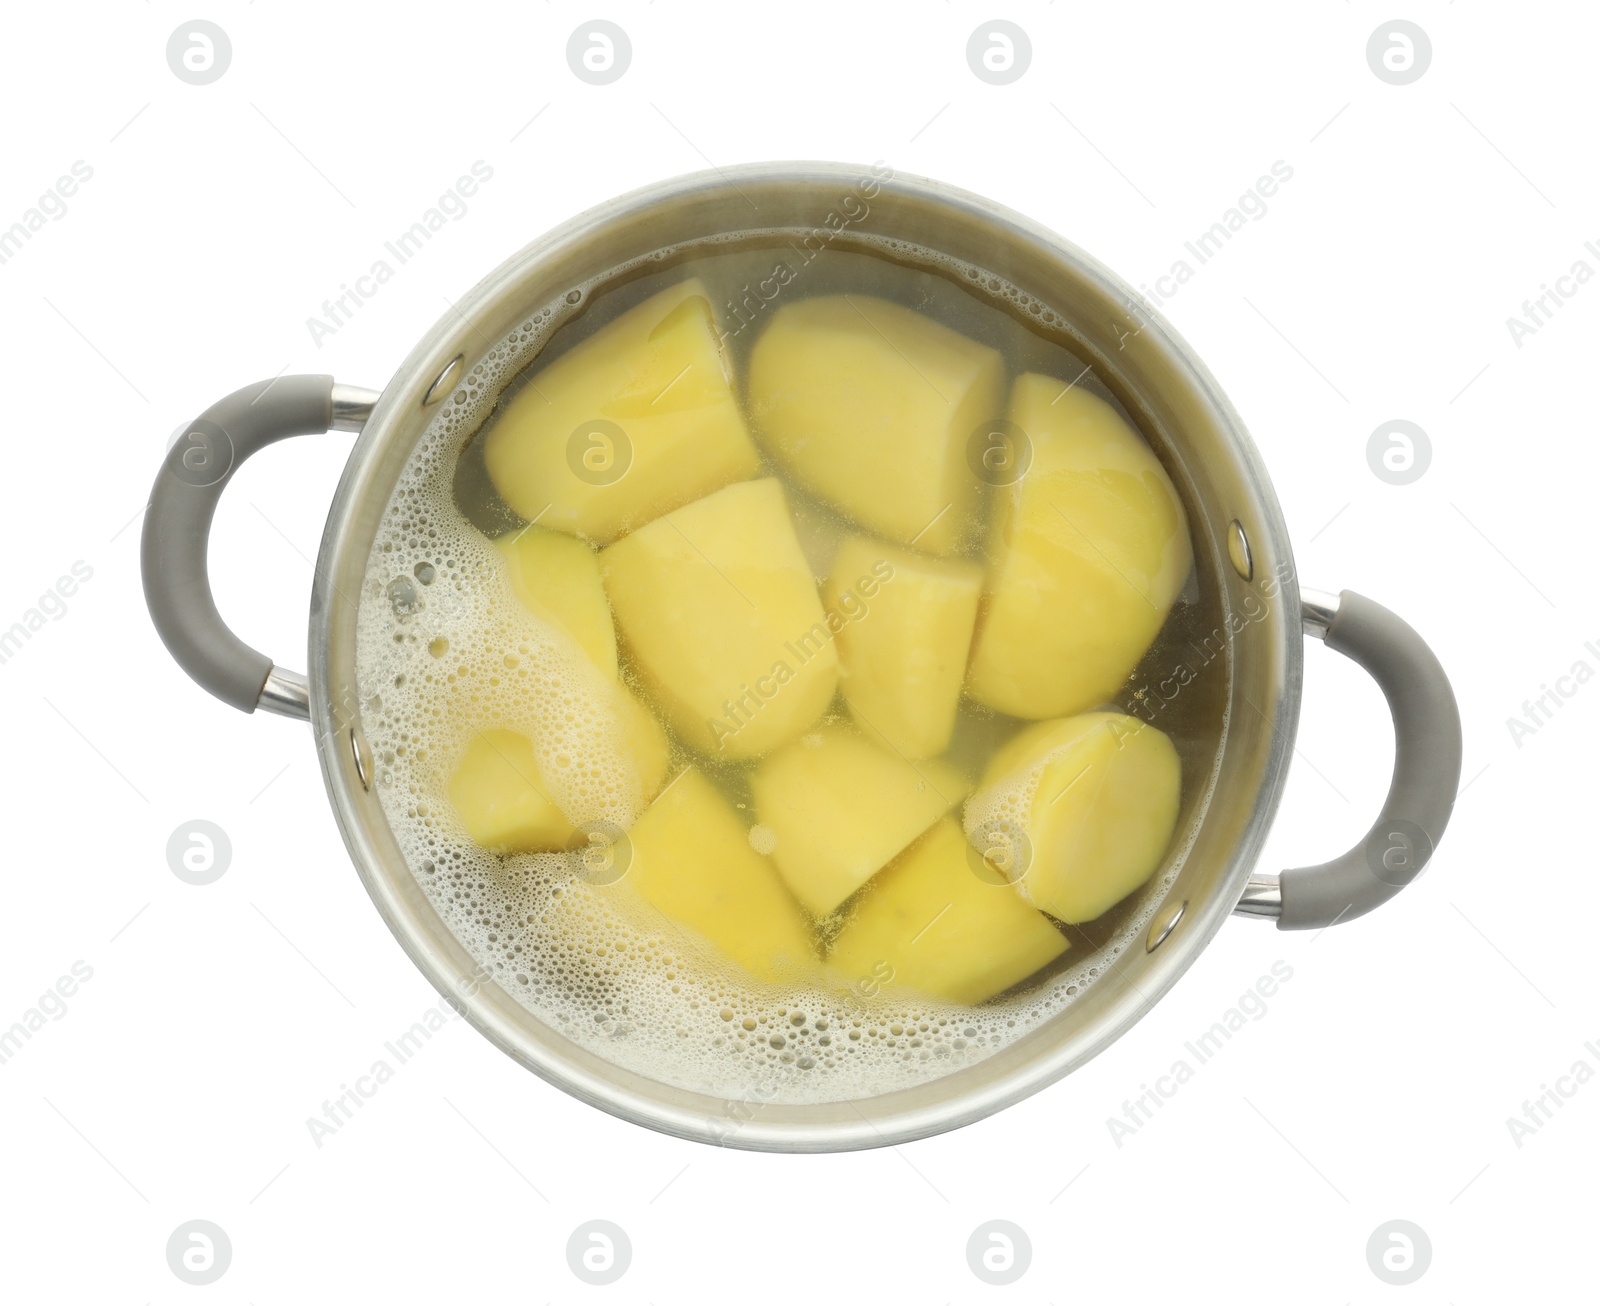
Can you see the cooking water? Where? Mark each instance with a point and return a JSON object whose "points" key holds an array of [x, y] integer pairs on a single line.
{"points": [[446, 652]]}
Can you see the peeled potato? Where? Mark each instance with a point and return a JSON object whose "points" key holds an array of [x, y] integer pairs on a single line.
{"points": [[557, 577], [1096, 799], [929, 923], [720, 615], [509, 803], [1087, 552], [644, 742], [691, 859], [871, 407], [841, 806], [903, 647], [658, 376], [503, 800]]}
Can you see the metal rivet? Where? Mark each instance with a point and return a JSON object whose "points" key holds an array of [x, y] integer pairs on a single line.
{"points": [[361, 754], [1239, 551], [444, 381], [1164, 924]]}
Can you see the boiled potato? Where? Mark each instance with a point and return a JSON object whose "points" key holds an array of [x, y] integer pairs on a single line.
{"points": [[903, 646], [1096, 797], [871, 406], [503, 800], [1086, 553], [509, 803], [636, 420], [557, 578], [841, 806], [644, 742], [929, 923], [691, 859], [720, 615]]}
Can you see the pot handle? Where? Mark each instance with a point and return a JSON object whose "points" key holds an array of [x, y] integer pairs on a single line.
{"points": [[1427, 771], [177, 530]]}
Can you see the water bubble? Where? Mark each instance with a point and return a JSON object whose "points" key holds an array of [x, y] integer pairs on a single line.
{"points": [[403, 597]]}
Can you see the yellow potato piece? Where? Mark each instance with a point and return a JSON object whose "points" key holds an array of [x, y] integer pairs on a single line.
{"points": [[503, 800], [643, 741], [509, 804], [871, 406], [657, 375], [557, 578], [1096, 797], [691, 859], [1087, 552], [903, 647], [720, 616], [929, 923], [842, 806]]}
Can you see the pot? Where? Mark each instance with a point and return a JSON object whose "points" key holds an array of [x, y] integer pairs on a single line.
{"points": [[1243, 562]]}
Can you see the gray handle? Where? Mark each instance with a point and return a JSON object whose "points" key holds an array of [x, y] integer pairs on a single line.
{"points": [[177, 530], [1422, 790]]}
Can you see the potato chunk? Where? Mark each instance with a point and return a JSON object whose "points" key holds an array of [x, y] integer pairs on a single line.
{"points": [[842, 806], [903, 647], [929, 923], [557, 577], [871, 407], [632, 422], [644, 742], [510, 803], [1096, 799], [719, 614], [1087, 552], [691, 859], [503, 800]]}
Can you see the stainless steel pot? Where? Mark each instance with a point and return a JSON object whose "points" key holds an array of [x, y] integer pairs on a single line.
{"points": [[1241, 546]]}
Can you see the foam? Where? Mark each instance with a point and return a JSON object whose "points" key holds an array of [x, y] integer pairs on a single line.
{"points": [[441, 642]]}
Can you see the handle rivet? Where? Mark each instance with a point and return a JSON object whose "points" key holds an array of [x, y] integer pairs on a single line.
{"points": [[1239, 551], [444, 381], [361, 754], [1164, 924]]}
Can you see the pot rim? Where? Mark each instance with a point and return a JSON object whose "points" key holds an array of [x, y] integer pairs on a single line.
{"points": [[335, 708]]}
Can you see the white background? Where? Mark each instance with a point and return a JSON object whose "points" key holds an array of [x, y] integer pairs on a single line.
{"points": [[218, 1018]]}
